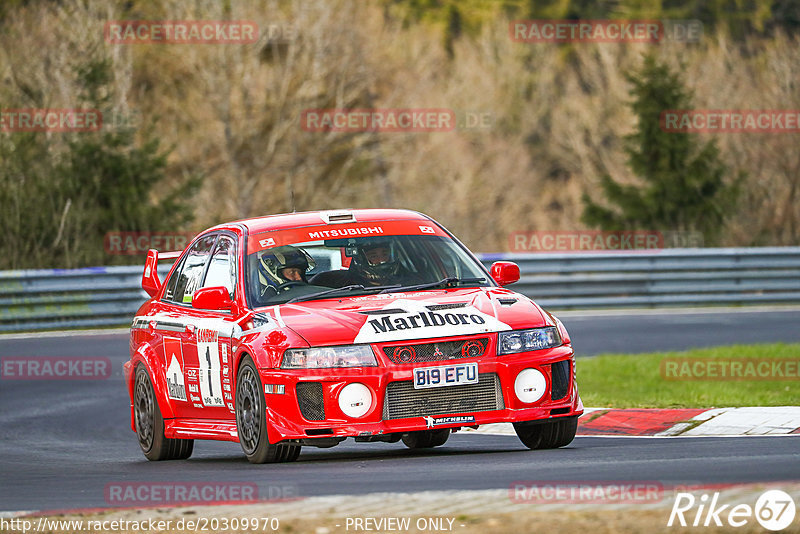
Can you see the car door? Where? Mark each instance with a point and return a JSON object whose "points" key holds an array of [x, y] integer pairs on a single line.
{"points": [[208, 345], [175, 327]]}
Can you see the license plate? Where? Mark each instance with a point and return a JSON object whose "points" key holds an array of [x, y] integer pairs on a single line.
{"points": [[445, 375]]}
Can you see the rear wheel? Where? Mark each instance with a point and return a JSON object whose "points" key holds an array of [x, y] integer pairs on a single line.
{"points": [[549, 435], [150, 424], [426, 439], [251, 421]]}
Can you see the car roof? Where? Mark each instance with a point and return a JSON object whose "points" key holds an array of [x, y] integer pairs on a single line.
{"points": [[315, 218]]}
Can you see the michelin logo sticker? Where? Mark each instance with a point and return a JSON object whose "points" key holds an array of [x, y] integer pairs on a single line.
{"points": [[418, 322], [431, 422]]}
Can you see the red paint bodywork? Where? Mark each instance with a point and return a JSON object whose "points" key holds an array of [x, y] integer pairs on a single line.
{"points": [[332, 321]]}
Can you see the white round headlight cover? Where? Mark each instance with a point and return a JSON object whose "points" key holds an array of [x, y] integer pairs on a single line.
{"points": [[530, 385], [355, 399]]}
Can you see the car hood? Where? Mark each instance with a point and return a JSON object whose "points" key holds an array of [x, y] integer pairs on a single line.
{"points": [[403, 316]]}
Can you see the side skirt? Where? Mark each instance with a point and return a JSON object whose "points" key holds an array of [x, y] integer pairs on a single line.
{"points": [[201, 429]]}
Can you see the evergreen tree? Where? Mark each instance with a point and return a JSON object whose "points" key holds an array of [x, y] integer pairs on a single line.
{"points": [[60, 199], [452, 30], [683, 184]]}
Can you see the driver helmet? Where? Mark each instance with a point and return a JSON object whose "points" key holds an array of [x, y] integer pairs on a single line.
{"points": [[273, 261], [376, 262]]}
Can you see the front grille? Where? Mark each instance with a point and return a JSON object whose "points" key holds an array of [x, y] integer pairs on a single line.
{"points": [[434, 352], [402, 400], [560, 374], [309, 398]]}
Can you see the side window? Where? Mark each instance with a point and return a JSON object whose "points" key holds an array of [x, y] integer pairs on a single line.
{"points": [[222, 269], [191, 273], [172, 283]]}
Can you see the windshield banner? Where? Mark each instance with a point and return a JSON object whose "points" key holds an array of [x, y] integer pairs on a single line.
{"points": [[293, 236]]}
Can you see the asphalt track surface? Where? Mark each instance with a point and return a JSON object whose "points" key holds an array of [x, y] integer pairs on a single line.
{"points": [[62, 443]]}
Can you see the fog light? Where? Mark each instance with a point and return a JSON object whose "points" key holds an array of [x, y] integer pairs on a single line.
{"points": [[355, 400], [530, 385]]}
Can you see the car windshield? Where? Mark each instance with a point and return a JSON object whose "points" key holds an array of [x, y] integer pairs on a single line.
{"points": [[285, 268]]}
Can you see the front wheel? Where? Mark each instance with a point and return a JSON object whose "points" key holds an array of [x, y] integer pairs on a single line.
{"points": [[548, 435], [251, 421], [426, 439], [150, 424]]}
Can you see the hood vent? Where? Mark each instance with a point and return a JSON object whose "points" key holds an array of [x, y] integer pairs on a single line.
{"points": [[437, 307], [386, 311], [506, 302]]}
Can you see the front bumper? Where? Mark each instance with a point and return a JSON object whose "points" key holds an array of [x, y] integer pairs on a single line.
{"points": [[288, 420]]}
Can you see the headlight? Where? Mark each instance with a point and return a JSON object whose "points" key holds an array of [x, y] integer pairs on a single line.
{"points": [[525, 340], [322, 357]]}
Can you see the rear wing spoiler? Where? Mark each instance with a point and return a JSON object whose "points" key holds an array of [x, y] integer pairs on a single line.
{"points": [[150, 281]]}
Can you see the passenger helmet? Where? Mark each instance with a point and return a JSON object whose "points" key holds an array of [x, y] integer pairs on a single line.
{"points": [[379, 272]]}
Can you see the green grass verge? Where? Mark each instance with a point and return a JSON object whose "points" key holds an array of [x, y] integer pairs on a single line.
{"points": [[637, 380]]}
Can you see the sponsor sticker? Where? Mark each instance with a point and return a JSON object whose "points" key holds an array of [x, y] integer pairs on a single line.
{"points": [[431, 422], [176, 383], [416, 321], [291, 236]]}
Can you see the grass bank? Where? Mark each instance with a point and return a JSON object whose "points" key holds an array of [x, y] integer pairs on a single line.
{"points": [[699, 378]]}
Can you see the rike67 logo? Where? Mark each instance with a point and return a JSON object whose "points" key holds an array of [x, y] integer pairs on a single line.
{"points": [[774, 510]]}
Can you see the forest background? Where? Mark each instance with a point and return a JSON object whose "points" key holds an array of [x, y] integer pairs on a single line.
{"points": [[195, 135]]}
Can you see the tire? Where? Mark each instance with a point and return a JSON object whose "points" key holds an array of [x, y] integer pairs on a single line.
{"points": [[426, 439], [150, 424], [549, 435], [251, 421]]}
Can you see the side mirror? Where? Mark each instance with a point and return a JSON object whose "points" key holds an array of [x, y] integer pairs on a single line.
{"points": [[212, 298], [505, 272]]}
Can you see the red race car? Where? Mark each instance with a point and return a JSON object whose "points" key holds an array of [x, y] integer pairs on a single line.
{"points": [[305, 329]]}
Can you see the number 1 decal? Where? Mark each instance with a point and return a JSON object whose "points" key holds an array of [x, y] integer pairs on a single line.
{"points": [[210, 386], [208, 359]]}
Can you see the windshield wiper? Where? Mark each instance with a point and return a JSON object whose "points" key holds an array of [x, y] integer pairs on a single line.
{"points": [[443, 282], [345, 289]]}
